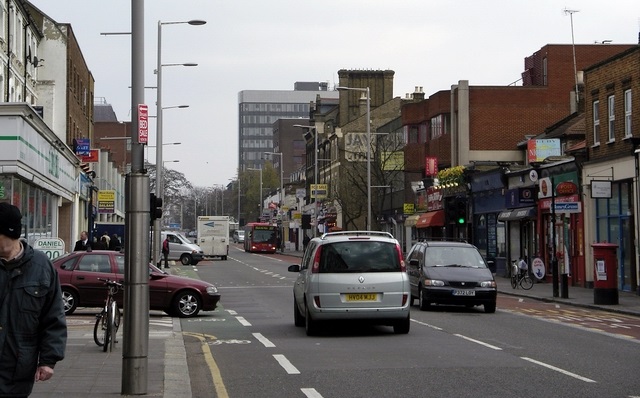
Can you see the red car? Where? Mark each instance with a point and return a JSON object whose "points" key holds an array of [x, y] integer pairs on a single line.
{"points": [[175, 295]]}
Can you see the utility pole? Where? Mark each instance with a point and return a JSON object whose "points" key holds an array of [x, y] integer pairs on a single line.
{"points": [[135, 347]]}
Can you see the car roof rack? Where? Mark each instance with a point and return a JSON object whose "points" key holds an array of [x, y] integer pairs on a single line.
{"points": [[357, 233]]}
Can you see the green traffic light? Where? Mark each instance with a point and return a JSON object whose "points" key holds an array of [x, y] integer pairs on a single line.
{"points": [[460, 220]]}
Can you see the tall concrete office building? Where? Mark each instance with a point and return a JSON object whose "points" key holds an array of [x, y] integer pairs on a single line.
{"points": [[258, 110]]}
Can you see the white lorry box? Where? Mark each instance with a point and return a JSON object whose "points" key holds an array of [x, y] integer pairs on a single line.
{"points": [[213, 236]]}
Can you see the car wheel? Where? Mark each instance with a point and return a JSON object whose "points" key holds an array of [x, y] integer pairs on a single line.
{"points": [[490, 308], [311, 326], [422, 301], [186, 304], [403, 326], [298, 319], [185, 259], [70, 301]]}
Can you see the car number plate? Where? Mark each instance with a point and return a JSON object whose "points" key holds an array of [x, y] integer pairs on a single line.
{"points": [[464, 292], [362, 297]]}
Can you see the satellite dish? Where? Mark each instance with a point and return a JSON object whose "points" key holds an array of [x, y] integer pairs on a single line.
{"points": [[36, 61]]}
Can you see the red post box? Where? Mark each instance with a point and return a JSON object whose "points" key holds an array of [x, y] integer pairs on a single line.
{"points": [[605, 273]]}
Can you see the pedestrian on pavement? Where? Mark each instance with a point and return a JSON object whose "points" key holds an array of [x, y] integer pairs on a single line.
{"points": [[100, 244], [165, 252], [105, 236], [83, 243], [114, 243], [33, 336]]}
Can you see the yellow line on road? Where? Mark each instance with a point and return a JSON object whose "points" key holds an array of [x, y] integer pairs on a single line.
{"points": [[221, 389]]}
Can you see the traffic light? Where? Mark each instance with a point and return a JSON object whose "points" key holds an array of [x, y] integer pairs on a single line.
{"points": [[156, 207], [461, 211]]}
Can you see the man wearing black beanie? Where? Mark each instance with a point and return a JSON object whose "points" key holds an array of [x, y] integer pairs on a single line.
{"points": [[33, 336]]}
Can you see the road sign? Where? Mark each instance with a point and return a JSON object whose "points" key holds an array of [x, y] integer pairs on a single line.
{"points": [[53, 247], [143, 123]]}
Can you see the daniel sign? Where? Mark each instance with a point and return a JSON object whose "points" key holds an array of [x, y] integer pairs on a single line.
{"points": [[53, 247]]}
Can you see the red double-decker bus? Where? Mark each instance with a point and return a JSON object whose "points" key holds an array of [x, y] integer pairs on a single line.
{"points": [[260, 237]]}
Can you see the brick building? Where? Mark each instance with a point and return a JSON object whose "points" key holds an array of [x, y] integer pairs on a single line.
{"points": [[612, 120]]}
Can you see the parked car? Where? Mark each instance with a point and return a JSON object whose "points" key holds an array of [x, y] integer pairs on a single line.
{"points": [[447, 272], [238, 236], [352, 275], [177, 296]]}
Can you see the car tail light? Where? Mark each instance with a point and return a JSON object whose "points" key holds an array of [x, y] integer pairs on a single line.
{"points": [[316, 299], [316, 262], [405, 297], [403, 267]]}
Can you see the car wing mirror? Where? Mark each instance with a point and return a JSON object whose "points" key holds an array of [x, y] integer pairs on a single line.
{"points": [[294, 268]]}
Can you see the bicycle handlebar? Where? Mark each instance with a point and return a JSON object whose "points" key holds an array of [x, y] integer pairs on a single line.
{"points": [[109, 282]]}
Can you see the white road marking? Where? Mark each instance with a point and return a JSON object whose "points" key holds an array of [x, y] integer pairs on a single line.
{"points": [[232, 312], [243, 321], [265, 341], [288, 366], [311, 392], [559, 370], [479, 342], [426, 324]]}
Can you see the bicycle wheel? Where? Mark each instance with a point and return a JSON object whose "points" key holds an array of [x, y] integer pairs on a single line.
{"points": [[98, 329], [107, 329], [526, 282], [514, 280], [113, 325]]}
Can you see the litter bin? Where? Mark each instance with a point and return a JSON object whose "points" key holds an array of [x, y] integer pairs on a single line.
{"points": [[605, 277]]}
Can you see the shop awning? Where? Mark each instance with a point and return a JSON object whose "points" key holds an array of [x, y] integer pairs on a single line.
{"points": [[412, 220], [431, 219], [517, 214]]}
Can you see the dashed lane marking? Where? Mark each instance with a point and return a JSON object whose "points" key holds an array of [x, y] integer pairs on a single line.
{"points": [[288, 366], [265, 341]]}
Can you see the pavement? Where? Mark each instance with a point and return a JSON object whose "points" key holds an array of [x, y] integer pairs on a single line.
{"points": [[87, 370]]}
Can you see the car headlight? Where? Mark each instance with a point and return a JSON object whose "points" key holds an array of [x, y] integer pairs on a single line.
{"points": [[212, 290], [488, 284], [433, 282]]}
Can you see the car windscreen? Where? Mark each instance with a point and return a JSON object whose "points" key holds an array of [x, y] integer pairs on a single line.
{"points": [[359, 256], [453, 256]]}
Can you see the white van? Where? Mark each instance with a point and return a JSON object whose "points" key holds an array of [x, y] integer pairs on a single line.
{"points": [[181, 249]]}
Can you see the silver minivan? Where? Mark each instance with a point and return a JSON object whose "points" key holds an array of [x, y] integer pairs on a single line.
{"points": [[181, 249], [352, 275]]}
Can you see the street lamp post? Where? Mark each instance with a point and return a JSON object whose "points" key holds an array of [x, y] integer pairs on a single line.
{"points": [[159, 164], [315, 172], [366, 90]]}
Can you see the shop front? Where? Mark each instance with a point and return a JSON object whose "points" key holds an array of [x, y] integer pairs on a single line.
{"points": [[38, 174]]}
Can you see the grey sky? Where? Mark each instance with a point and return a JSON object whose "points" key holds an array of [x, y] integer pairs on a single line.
{"points": [[269, 45]]}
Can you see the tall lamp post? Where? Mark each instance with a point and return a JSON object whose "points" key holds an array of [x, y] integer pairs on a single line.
{"points": [[367, 93], [159, 177], [315, 172]]}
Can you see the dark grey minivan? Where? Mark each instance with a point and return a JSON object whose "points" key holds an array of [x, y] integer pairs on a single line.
{"points": [[449, 272]]}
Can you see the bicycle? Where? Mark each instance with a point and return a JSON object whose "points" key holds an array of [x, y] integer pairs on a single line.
{"points": [[108, 320], [520, 278]]}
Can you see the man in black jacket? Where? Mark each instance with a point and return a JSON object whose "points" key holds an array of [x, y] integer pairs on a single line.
{"points": [[33, 336], [83, 243]]}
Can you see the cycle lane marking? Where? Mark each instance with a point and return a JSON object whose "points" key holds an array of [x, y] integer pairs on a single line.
{"points": [[218, 383]]}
